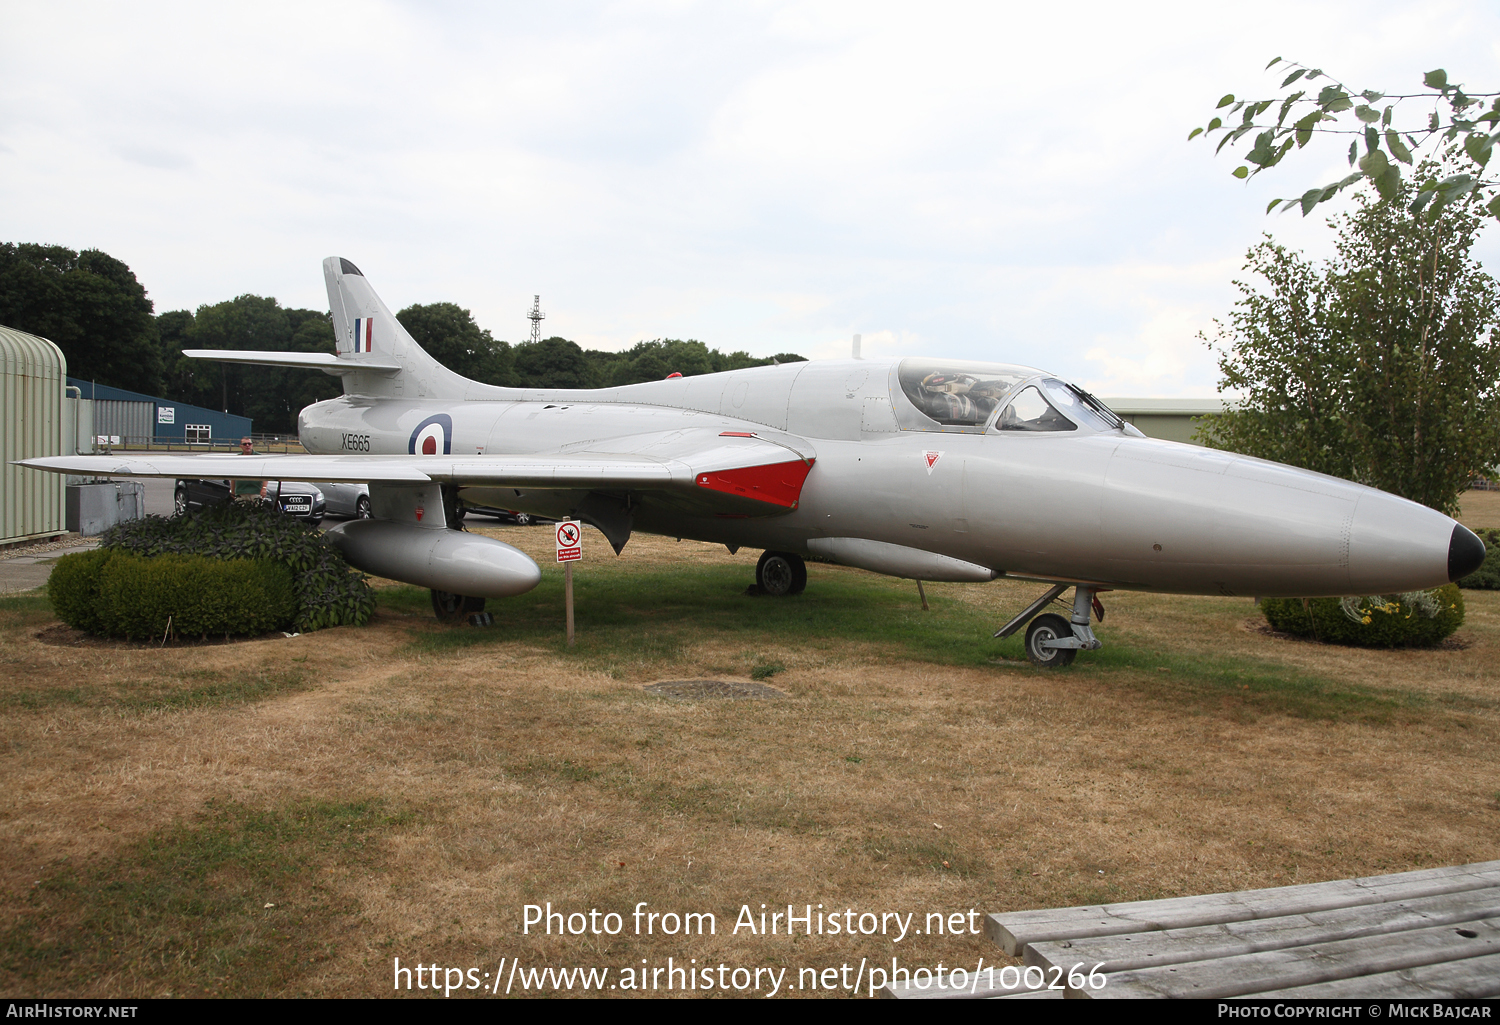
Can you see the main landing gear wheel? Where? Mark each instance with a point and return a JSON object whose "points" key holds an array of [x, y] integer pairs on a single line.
{"points": [[455, 608], [781, 573], [1049, 628]]}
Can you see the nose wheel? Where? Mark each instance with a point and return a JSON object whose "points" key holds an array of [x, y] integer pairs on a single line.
{"points": [[1041, 638], [1053, 641]]}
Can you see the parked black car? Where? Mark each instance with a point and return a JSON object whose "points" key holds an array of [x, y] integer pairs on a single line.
{"points": [[295, 498]]}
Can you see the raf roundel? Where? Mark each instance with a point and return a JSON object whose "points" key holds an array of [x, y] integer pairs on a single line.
{"points": [[433, 436]]}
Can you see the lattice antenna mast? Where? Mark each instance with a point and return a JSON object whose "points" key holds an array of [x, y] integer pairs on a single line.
{"points": [[536, 316]]}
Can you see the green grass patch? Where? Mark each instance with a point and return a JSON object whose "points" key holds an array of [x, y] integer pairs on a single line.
{"points": [[228, 905], [26, 602], [915, 854], [654, 615], [1251, 686], [634, 621], [203, 688]]}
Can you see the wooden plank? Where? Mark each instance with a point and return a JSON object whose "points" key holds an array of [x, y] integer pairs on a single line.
{"points": [[1253, 974], [1202, 943], [1472, 978], [1014, 930]]}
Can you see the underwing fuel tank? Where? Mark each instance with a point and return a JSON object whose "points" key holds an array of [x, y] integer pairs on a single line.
{"points": [[442, 559]]}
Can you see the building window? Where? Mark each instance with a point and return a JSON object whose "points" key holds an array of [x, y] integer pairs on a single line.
{"points": [[198, 433]]}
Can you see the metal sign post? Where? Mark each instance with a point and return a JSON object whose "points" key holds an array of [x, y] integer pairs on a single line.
{"points": [[569, 551]]}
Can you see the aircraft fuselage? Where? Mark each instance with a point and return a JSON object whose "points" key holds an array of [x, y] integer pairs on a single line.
{"points": [[1106, 507]]}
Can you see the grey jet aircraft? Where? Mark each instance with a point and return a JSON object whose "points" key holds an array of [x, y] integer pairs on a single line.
{"points": [[933, 470]]}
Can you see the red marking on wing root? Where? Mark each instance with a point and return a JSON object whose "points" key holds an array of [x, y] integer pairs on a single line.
{"points": [[776, 484]]}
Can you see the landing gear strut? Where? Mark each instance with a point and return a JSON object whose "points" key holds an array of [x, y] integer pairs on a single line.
{"points": [[781, 573], [1052, 641]]}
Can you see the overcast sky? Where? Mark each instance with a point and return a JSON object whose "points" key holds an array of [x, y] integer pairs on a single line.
{"points": [[998, 180]]}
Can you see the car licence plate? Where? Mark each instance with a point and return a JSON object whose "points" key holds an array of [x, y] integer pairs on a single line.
{"points": [[297, 505]]}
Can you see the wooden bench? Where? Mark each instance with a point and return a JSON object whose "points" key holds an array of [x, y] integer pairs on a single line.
{"points": [[1432, 933]]}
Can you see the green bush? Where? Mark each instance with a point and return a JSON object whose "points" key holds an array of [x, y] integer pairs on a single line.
{"points": [[123, 595], [73, 588], [329, 592], [1416, 620], [1487, 576]]}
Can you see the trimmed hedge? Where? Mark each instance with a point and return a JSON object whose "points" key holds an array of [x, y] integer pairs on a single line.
{"points": [[329, 592], [1417, 620], [1487, 576], [74, 589], [119, 594]]}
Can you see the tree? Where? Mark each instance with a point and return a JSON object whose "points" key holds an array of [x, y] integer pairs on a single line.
{"points": [[1383, 366], [90, 304], [654, 360], [449, 335], [1467, 136], [271, 396], [553, 363]]}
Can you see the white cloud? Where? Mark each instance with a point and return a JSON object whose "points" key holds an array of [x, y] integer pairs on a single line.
{"points": [[998, 181]]}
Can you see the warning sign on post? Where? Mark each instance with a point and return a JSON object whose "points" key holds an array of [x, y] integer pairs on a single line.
{"points": [[569, 541]]}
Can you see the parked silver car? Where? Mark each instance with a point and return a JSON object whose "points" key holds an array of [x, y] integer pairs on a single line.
{"points": [[351, 501]]}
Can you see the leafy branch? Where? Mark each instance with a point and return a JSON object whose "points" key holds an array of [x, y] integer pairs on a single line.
{"points": [[1458, 124]]}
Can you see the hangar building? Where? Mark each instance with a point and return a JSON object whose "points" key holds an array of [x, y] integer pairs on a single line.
{"points": [[131, 419], [1168, 419], [33, 418]]}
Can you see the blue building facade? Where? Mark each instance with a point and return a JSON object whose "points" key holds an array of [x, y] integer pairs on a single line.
{"points": [[128, 414]]}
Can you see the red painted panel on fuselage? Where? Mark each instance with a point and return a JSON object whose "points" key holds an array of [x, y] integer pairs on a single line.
{"points": [[775, 484]]}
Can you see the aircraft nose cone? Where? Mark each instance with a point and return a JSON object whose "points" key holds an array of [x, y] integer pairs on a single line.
{"points": [[1465, 552]]}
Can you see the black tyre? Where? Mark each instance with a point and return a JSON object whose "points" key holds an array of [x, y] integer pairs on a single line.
{"points": [[781, 573], [523, 520], [799, 573], [362, 508], [179, 502], [1049, 628], [455, 608]]}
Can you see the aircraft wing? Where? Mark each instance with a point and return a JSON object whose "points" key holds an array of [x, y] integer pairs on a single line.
{"points": [[736, 471]]}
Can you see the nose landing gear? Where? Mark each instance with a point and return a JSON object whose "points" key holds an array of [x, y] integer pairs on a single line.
{"points": [[1052, 641]]}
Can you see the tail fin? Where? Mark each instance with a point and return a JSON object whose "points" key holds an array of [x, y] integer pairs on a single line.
{"points": [[376, 356], [365, 329]]}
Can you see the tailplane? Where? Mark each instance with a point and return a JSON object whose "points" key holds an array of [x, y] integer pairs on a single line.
{"points": [[375, 354]]}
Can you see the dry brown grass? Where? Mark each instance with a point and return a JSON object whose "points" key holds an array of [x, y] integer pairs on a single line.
{"points": [[511, 774], [1480, 509]]}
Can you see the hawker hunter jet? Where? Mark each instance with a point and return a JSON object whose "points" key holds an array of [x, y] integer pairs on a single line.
{"points": [[918, 468]]}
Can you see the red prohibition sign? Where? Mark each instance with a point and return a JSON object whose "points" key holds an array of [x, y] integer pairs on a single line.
{"points": [[567, 535]]}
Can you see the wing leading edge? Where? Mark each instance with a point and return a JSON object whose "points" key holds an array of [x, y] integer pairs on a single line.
{"points": [[739, 474]]}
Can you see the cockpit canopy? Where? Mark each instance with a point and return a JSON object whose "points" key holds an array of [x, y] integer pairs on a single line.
{"points": [[956, 394]]}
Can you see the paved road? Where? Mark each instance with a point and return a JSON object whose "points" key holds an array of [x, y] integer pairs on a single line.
{"points": [[23, 572]]}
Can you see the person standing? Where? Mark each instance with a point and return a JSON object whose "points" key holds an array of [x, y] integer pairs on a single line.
{"points": [[248, 488]]}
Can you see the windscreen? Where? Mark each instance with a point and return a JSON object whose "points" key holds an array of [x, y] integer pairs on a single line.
{"points": [[957, 393], [1029, 411], [1084, 408]]}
